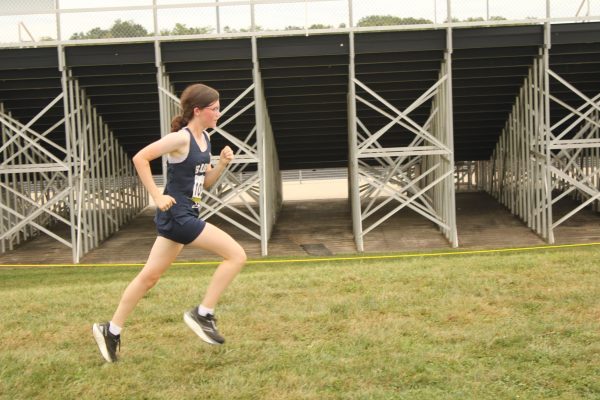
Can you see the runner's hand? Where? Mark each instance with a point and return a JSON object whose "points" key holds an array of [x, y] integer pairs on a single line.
{"points": [[226, 155], [164, 202]]}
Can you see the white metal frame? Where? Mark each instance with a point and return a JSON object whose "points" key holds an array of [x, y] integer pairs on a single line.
{"points": [[533, 161], [88, 185], [95, 192], [517, 171], [251, 205], [419, 176], [33, 184], [467, 176], [575, 162], [106, 191]]}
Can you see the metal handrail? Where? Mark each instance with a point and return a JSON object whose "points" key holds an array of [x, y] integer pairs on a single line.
{"points": [[155, 8]]}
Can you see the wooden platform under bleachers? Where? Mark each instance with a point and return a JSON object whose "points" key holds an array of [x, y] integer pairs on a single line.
{"points": [[322, 227]]}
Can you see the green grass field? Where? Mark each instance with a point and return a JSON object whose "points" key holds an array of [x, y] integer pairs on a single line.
{"points": [[517, 325]]}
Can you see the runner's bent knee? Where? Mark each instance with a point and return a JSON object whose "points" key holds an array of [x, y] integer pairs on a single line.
{"points": [[240, 257], [148, 280], [236, 255]]}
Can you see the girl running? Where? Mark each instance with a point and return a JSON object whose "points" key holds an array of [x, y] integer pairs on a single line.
{"points": [[188, 171]]}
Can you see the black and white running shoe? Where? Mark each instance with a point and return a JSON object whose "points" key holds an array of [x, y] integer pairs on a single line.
{"points": [[205, 327], [107, 342]]}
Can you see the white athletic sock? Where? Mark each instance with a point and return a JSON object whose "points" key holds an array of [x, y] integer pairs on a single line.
{"points": [[114, 329], [203, 310]]}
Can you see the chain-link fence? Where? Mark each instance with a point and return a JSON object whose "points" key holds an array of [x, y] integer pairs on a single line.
{"points": [[27, 21]]}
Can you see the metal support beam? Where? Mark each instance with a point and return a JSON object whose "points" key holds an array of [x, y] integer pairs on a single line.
{"points": [[536, 164], [168, 103], [353, 137], [517, 175], [105, 192], [271, 194], [77, 194], [418, 176], [251, 204], [575, 162], [33, 180]]}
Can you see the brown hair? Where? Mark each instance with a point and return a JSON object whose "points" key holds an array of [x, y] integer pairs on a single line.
{"points": [[197, 95]]}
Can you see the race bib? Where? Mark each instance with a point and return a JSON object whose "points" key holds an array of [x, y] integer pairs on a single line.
{"points": [[198, 185]]}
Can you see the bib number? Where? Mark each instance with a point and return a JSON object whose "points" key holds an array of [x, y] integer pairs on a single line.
{"points": [[197, 192]]}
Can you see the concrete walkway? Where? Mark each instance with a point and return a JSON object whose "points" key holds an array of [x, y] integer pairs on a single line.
{"points": [[322, 227]]}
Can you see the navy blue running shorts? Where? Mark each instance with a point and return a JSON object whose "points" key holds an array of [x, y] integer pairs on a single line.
{"points": [[182, 229]]}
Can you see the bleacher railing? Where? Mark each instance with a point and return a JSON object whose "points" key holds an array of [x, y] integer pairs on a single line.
{"points": [[52, 22]]}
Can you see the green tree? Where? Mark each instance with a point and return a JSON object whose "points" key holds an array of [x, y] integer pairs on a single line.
{"points": [[386, 20], [127, 29], [117, 30], [182, 29], [479, 19], [96, 33], [313, 26], [228, 29], [319, 26]]}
